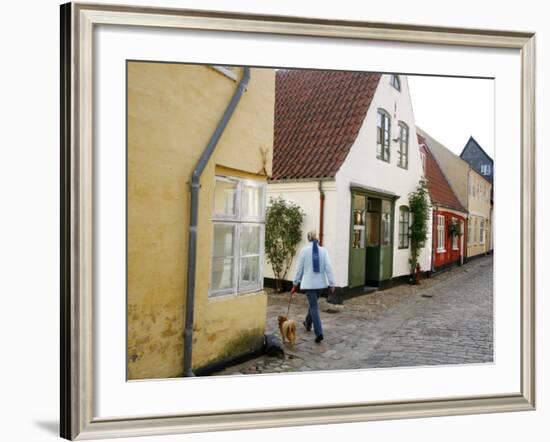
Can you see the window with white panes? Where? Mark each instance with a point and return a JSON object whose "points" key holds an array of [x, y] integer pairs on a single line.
{"points": [[440, 233], [238, 236], [482, 231]]}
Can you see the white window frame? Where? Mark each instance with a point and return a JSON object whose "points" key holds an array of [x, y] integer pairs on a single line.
{"points": [[223, 216], [482, 231], [454, 245], [486, 169], [441, 234], [239, 220]]}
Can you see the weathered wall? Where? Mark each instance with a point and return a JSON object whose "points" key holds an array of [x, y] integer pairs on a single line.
{"points": [[172, 112]]}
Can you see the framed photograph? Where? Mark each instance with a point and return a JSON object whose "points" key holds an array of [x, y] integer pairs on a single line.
{"points": [[276, 221]]}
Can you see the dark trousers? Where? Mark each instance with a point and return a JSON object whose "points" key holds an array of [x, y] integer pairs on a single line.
{"points": [[313, 316]]}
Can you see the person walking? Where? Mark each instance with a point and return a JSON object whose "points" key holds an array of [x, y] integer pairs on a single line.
{"points": [[313, 274]]}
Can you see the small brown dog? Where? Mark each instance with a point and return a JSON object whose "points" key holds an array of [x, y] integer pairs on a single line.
{"points": [[287, 328]]}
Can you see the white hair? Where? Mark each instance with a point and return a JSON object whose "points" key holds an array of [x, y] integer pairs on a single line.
{"points": [[312, 235]]}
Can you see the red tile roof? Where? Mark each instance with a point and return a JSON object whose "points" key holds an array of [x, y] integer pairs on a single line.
{"points": [[318, 115], [440, 190]]}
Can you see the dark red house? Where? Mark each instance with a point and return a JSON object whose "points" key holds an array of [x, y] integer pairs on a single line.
{"points": [[449, 216]]}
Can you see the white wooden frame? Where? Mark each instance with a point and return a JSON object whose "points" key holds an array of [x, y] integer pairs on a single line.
{"points": [[238, 221]]}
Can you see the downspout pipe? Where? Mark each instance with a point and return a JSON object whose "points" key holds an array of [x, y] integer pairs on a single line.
{"points": [[193, 220], [321, 212], [434, 236]]}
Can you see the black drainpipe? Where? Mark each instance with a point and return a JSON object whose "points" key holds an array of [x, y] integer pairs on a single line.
{"points": [[193, 220]]}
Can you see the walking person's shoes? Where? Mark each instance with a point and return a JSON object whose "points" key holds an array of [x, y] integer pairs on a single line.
{"points": [[318, 338], [306, 327]]}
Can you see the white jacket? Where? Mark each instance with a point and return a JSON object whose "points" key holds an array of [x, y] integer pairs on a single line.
{"points": [[306, 277]]}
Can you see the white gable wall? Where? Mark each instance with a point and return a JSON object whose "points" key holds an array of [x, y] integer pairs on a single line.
{"points": [[362, 167], [306, 195]]}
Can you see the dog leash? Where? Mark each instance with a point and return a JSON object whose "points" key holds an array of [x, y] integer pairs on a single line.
{"points": [[290, 299]]}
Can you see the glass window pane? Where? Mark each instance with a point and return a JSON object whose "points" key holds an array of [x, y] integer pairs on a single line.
{"points": [[386, 229], [251, 201], [225, 195], [222, 274], [250, 270], [250, 240], [224, 240], [359, 204], [373, 229]]}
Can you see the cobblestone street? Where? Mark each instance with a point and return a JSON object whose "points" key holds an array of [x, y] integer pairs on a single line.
{"points": [[448, 319]]}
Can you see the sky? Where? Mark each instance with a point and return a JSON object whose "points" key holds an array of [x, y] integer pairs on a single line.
{"points": [[453, 109]]}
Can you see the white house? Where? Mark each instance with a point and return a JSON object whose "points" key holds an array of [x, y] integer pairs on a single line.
{"points": [[346, 151]]}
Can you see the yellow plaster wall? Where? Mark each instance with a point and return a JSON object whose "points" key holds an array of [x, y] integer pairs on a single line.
{"points": [[172, 111], [479, 206]]}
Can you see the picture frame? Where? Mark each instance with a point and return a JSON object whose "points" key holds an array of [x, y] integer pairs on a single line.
{"points": [[78, 21]]}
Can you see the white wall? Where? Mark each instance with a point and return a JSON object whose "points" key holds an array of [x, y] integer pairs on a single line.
{"points": [[306, 195], [362, 167]]}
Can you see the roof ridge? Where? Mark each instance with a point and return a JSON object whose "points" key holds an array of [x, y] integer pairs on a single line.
{"points": [[443, 174], [479, 146]]}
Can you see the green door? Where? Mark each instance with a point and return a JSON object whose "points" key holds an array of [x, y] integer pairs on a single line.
{"points": [[358, 250], [373, 241], [386, 241], [379, 240]]}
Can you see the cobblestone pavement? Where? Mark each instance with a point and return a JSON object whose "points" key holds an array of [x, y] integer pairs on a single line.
{"points": [[448, 319]]}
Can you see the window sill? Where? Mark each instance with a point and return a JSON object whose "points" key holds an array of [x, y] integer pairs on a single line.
{"points": [[225, 296], [441, 250]]}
